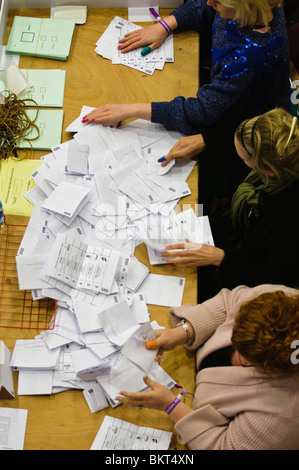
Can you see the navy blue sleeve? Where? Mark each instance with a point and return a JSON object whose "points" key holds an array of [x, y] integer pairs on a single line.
{"points": [[213, 101], [194, 15]]}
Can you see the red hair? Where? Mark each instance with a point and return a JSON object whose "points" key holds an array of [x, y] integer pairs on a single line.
{"points": [[264, 330]]}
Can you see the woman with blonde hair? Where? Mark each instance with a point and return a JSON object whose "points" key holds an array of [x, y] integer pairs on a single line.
{"points": [[249, 65], [247, 356], [257, 242]]}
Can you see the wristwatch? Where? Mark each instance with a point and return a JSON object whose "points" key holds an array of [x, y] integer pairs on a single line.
{"points": [[186, 328]]}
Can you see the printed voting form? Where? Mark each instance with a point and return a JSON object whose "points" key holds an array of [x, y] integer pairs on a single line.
{"points": [[116, 434], [12, 428], [83, 266], [177, 228], [107, 44]]}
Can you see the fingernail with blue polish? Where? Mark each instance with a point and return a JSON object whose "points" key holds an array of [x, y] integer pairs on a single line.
{"points": [[162, 159]]}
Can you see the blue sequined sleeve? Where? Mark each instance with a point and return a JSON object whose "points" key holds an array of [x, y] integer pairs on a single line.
{"points": [[249, 75]]}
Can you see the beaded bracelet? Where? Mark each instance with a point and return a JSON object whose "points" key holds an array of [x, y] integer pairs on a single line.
{"points": [[162, 22]]}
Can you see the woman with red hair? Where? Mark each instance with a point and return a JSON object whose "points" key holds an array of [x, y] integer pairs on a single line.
{"points": [[247, 355]]}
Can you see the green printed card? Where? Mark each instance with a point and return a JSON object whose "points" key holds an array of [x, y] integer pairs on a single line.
{"points": [[49, 122], [41, 37], [47, 87]]}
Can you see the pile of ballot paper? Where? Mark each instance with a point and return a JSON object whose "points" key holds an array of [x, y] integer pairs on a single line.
{"points": [[107, 47], [97, 197]]}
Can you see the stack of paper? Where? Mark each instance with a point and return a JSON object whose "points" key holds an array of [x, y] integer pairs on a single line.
{"points": [[15, 180], [45, 87], [41, 37], [94, 197], [49, 123], [107, 47], [158, 232]]}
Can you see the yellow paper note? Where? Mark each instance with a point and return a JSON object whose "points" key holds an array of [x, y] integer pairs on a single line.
{"points": [[15, 180]]}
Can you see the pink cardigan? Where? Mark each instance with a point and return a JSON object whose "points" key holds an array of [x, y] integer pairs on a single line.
{"points": [[235, 408]]}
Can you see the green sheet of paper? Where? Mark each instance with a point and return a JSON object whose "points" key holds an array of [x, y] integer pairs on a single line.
{"points": [[47, 87], [49, 122], [41, 37]]}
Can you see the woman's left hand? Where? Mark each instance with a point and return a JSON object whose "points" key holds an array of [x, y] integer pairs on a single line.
{"points": [[193, 254], [158, 397]]}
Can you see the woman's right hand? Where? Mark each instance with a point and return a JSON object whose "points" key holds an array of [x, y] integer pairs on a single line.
{"points": [[152, 36], [167, 339], [185, 148]]}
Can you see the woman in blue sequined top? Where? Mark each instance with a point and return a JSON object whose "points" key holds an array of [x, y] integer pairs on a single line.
{"points": [[249, 66]]}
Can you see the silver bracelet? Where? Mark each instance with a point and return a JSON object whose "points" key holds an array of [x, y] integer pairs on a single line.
{"points": [[186, 328]]}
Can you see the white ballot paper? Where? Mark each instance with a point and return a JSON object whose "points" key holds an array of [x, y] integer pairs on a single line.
{"points": [[118, 322], [6, 377], [158, 232], [77, 158], [33, 354], [82, 266], [29, 270], [95, 397], [134, 348], [116, 434], [67, 199], [35, 382], [163, 290], [12, 428]]}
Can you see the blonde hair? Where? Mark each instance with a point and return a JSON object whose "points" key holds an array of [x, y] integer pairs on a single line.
{"points": [[251, 12], [272, 142], [264, 331]]}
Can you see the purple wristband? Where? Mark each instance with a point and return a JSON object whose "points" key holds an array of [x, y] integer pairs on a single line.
{"points": [[163, 23], [172, 405]]}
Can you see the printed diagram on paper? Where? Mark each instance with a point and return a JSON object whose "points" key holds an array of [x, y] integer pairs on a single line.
{"points": [[83, 266]]}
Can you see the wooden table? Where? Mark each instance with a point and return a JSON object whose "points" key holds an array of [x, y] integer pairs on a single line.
{"points": [[64, 421]]}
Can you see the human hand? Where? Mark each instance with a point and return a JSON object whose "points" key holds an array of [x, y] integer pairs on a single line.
{"points": [[152, 36], [158, 397], [185, 148], [112, 114], [108, 114], [193, 254], [167, 339]]}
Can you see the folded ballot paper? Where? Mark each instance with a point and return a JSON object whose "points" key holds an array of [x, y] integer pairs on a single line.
{"points": [[96, 198], [6, 378], [107, 47]]}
